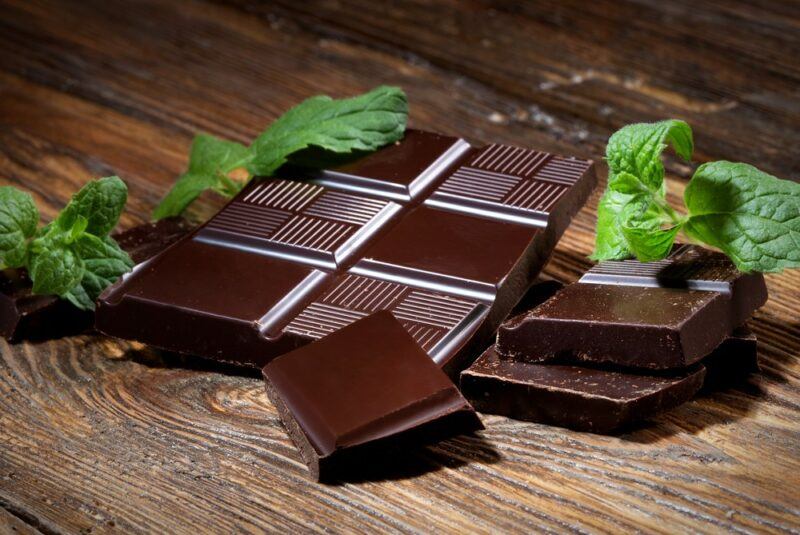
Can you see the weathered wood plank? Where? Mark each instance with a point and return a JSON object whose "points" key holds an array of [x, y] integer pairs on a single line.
{"points": [[100, 436], [151, 444], [606, 65], [12, 525]]}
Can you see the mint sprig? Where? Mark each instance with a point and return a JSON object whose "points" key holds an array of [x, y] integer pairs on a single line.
{"points": [[73, 256], [363, 123], [18, 221], [751, 216]]}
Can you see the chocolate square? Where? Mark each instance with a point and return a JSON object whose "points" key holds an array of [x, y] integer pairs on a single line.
{"points": [[449, 252], [365, 386], [403, 171], [658, 315], [298, 221]]}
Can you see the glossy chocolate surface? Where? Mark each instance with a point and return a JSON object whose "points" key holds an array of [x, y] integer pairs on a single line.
{"points": [[364, 383], [403, 171], [661, 315], [599, 399], [580, 398], [25, 316], [289, 261]]}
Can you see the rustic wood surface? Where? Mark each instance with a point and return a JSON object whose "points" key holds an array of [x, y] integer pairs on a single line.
{"points": [[101, 436]]}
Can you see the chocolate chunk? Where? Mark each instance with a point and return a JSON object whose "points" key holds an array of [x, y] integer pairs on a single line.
{"points": [[576, 397], [25, 316], [145, 241], [404, 229], [659, 315], [362, 389]]}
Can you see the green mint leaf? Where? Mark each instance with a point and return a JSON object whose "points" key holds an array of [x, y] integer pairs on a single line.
{"points": [[641, 221], [752, 216], [18, 220], [211, 155], [637, 148], [78, 229], [362, 123], [649, 244], [79, 297], [210, 160], [54, 268], [188, 187], [104, 263], [626, 183], [100, 202], [636, 174], [610, 243]]}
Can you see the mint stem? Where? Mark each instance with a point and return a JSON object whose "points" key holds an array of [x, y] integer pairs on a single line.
{"points": [[677, 218]]}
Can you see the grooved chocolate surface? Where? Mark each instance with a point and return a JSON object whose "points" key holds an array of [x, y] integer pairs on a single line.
{"points": [[515, 183], [294, 258], [433, 319], [366, 382], [663, 315]]}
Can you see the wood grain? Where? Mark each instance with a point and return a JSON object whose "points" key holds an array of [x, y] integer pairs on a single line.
{"points": [[102, 436]]}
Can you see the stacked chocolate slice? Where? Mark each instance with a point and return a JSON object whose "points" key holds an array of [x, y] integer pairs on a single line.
{"points": [[627, 340]]}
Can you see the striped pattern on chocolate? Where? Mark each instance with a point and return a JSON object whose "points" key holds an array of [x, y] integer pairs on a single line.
{"points": [[687, 266], [297, 214], [511, 178], [428, 316]]}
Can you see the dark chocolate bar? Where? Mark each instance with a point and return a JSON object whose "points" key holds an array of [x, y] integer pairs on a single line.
{"points": [[445, 236], [599, 399], [658, 315], [575, 397], [365, 388], [25, 316]]}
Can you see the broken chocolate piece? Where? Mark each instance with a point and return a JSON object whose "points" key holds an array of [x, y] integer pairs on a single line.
{"points": [[575, 397], [147, 240], [289, 261], [25, 316], [366, 386], [659, 315]]}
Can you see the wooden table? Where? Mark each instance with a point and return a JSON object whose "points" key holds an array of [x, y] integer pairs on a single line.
{"points": [[100, 436]]}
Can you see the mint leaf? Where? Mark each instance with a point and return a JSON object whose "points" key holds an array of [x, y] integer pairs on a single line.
{"points": [[752, 216], [100, 202], [649, 244], [72, 256], [188, 187], [642, 221], [362, 123], [18, 220], [210, 161], [54, 268], [636, 149], [104, 263], [636, 174], [626, 183], [610, 243]]}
